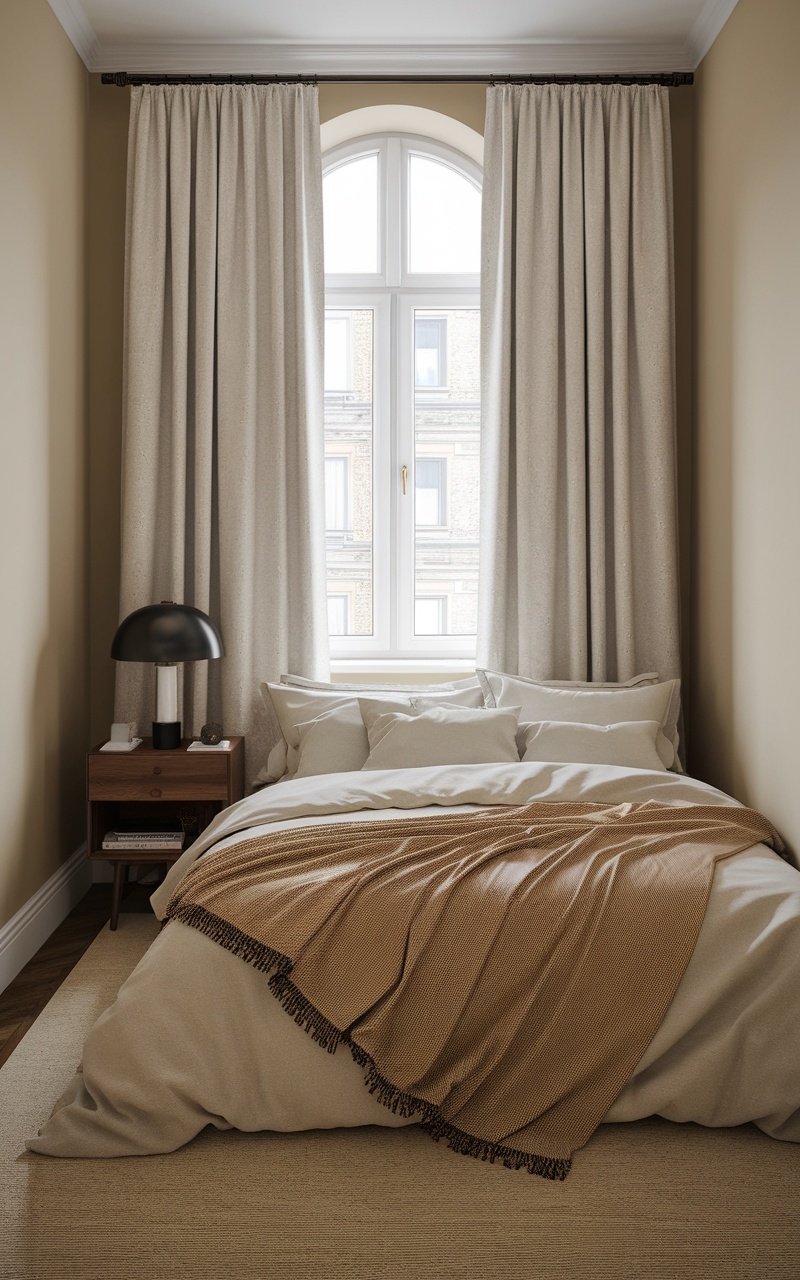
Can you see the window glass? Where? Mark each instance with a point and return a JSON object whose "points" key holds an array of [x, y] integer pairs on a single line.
{"points": [[349, 421], [350, 213], [447, 479], [444, 219], [402, 399]]}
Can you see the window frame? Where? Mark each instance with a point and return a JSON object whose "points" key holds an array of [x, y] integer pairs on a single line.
{"points": [[393, 293]]}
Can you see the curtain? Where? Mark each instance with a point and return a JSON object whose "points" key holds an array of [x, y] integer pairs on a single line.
{"points": [[579, 555], [223, 472]]}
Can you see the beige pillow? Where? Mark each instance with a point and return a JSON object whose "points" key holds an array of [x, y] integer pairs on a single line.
{"points": [[440, 736], [334, 742], [595, 704], [630, 743]]}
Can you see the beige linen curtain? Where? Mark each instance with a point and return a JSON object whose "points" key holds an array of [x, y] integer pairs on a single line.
{"points": [[579, 566], [223, 483]]}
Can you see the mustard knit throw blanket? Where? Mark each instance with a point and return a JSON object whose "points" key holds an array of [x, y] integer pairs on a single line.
{"points": [[499, 973]]}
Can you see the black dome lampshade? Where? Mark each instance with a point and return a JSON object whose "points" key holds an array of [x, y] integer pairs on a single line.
{"points": [[165, 634]]}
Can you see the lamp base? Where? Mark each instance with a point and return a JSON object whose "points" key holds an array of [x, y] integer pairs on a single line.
{"points": [[166, 735]]}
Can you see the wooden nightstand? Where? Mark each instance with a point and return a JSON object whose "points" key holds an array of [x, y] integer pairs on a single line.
{"points": [[150, 789]]}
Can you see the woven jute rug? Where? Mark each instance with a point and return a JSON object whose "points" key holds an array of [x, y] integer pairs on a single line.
{"points": [[651, 1199]]}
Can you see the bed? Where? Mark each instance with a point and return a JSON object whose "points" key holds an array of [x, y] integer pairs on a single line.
{"points": [[197, 1037]]}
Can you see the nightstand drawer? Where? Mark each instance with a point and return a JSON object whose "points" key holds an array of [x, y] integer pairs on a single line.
{"points": [[182, 776]]}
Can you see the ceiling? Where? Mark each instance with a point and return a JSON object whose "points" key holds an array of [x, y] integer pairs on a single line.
{"points": [[357, 37]]}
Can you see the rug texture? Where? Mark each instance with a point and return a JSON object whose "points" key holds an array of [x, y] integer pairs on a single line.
{"points": [[651, 1199]]}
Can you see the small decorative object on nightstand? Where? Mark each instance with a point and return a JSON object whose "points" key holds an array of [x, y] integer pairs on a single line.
{"points": [[211, 734], [147, 791]]}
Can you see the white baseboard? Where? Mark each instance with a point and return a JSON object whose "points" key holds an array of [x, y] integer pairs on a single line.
{"points": [[33, 924]]}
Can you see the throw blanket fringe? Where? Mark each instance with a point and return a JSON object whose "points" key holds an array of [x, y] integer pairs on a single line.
{"points": [[253, 952], [329, 1037], [498, 974]]}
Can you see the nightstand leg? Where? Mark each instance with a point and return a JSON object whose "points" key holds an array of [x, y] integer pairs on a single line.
{"points": [[120, 876]]}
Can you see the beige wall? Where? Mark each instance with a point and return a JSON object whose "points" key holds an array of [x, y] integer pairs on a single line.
{"points": [[43, 658], [465, 102], [746, 593]]}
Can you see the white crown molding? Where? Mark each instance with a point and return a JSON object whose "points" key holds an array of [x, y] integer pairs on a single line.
{"points": [[33, 924], [456, 58], [711, 20], [79, 29]]}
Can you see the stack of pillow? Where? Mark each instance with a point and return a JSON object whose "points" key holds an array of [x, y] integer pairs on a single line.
{"points": [[490, 718]]}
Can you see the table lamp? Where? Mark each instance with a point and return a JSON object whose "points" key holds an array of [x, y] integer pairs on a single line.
{"points": [[167, 633]]}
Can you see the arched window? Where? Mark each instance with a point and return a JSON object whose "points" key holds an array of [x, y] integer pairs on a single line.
{"points": [[402, 219]]}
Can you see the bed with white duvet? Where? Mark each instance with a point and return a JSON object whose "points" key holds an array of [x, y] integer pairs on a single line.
{"points": [[196, 1037]]}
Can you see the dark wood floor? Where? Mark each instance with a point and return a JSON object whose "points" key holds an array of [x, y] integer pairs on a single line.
{"points": [[23, 1001]]}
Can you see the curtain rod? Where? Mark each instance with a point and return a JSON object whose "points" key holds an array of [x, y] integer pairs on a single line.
{"points": [[671, 79]]}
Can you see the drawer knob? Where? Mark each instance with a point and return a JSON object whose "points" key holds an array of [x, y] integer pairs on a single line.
{"points": [[156, 792], [157, 769]]}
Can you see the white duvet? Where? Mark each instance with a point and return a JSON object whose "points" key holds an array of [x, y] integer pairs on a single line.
{"points": [[196, 1038]]}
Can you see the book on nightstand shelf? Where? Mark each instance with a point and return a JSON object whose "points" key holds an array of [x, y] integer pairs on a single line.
{"points": [[155, 840]]}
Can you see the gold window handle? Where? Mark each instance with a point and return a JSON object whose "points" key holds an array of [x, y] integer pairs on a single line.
{"points": [[404, 477]]}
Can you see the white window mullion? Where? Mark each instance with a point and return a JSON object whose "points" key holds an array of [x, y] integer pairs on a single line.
{"points": [[381, 510], [394, 221]]}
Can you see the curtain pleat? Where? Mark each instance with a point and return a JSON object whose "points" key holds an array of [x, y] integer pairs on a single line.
{"points": [[579, 559], [223, 472]]}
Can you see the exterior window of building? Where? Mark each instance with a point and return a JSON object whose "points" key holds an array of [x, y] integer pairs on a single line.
{"points": [[430, 615], [338, 517], [430, 492], [430, 351], [338, 352], [402, 397], [338, 615]]}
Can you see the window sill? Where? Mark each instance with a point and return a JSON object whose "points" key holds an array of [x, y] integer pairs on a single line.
{"points": [[459, 667]]}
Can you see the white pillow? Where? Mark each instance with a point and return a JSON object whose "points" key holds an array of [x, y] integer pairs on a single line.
{"points": [[296, 704], [631, 743], [593, 704], [441, 735]]}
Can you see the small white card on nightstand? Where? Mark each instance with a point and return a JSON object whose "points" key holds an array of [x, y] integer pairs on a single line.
{"points": [[224, 745], [121, 746]]}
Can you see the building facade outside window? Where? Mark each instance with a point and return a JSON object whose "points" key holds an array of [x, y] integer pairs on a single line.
{"points": [[402, 397]]}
